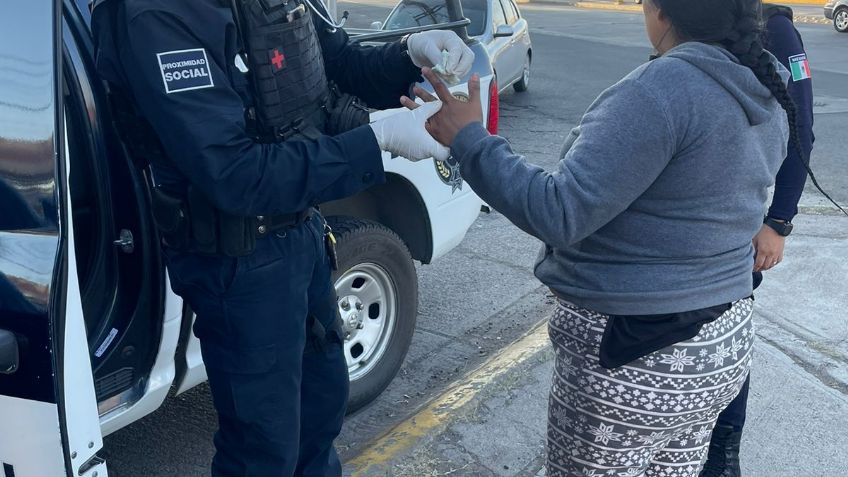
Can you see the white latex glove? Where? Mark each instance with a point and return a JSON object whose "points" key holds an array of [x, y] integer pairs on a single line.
{"points": [[403, 133], [425, 49]]}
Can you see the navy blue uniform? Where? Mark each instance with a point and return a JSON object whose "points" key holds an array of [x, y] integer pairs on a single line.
{"points": [[783, 41], [279, 386]]}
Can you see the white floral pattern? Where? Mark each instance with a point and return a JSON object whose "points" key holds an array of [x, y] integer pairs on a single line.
{"points": [[702, 434], [678, 360], [722, 352], [605, 434]]}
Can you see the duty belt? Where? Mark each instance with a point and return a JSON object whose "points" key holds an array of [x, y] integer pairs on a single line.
{"points": [[269, 224], [192, 224]]}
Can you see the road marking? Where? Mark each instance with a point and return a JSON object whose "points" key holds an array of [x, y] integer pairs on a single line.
{"points": [[377, 457]]}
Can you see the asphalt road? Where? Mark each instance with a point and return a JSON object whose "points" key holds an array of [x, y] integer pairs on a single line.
{"points": [[577, 54]]}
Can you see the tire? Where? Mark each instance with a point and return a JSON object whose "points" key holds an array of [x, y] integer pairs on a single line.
{"points": [[378, 300], [840, 19], [524, 83]]}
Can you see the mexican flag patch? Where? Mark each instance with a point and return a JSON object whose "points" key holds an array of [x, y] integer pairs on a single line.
{"points": [[800, 67]]}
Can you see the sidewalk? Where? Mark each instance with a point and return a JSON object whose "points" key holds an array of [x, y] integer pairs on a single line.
{"points": [[492, 423], [805, 12]]}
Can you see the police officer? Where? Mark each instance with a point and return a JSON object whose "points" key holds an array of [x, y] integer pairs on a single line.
{"points": [[784, 41], [235, 95]]}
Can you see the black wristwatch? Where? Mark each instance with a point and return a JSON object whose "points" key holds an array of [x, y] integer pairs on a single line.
{"points": [[782, 227]]}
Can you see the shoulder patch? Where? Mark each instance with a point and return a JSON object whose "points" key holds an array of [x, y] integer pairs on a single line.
{"points": [[800, 67], [185, 70]]}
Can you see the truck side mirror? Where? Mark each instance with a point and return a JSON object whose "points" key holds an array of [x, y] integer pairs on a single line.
{"points": [[377, 25], [8, 352]]}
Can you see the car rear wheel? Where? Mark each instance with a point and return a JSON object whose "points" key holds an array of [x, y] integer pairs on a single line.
{"points": [[377, 288], [840, 20], [524, 83]]}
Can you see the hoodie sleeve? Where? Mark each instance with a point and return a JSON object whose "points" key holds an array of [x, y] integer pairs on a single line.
{"points": [[784, 43], [623, 143]]}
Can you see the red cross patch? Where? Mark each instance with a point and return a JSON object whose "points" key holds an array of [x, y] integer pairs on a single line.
{"points": [[278, 59]]}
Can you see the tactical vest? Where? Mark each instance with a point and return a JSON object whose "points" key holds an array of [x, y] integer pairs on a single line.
{"points": [[290, 89]]}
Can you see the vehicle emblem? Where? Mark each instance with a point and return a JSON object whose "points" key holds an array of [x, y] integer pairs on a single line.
{"points": [[449, 173]]}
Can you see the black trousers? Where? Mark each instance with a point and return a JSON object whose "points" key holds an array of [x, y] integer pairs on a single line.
{"points": [[279, 382], [734, 414]]}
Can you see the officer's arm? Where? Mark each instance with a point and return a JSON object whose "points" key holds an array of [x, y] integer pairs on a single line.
{"points": [[200, 121], [789, 184], [379, 75]]}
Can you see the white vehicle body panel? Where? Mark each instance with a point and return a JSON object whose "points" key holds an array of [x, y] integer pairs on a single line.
{"points": [[31, 454], [196, 371], [85, 437], [161, 376]]}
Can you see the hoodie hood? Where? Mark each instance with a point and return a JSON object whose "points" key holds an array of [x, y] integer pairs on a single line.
{"points": [[723, 67]]}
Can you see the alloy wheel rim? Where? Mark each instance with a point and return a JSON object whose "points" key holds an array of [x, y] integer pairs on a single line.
{"points": [[842, 20], [368, 308]]}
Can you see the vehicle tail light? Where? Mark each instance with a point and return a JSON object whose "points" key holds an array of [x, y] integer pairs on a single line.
{"points": [[494, 107]]}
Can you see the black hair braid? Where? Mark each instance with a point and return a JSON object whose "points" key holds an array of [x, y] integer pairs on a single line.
{"points": [[746, 43]]}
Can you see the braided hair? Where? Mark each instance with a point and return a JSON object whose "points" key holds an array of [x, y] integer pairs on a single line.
{"points": [[737, 25]]}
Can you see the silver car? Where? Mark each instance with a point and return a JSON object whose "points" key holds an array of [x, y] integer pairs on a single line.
{"points": [[497, 24], [837, 10]]}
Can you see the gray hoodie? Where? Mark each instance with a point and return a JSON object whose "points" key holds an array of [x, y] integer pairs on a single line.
{"points": [[661, 189]]}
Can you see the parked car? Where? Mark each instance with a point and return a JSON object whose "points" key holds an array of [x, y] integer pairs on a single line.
{"points": [[837, 10], [91, 336], [497, 24]]}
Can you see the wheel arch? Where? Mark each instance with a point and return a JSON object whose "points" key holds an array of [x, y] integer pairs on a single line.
{"points": [[395, 204]]}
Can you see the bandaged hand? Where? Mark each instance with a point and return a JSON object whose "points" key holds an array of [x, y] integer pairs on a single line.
{"points": [[442, 50], [404, 133]]}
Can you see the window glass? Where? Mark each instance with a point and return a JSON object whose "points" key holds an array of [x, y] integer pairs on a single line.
{"points": [[498, 14], [413, 13], [515, 8], [511, 16]]}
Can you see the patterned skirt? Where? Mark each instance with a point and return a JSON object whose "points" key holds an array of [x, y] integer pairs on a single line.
{"points": [[651, 417]]}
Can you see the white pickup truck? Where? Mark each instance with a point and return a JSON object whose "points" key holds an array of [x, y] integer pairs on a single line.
{"points": [[91, 336]]}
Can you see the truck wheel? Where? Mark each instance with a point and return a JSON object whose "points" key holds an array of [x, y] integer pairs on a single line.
{"points": [[377, 286]]}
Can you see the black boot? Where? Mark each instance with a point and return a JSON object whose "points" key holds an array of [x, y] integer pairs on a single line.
{"points": [[723, 457]]}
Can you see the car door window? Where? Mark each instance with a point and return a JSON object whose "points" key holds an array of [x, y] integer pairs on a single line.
{"points": [[515, 9], [498, 16], [509, 11]]}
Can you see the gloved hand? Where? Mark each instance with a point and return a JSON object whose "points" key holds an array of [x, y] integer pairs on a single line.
{"points": [[403, 133], [425, 49]]}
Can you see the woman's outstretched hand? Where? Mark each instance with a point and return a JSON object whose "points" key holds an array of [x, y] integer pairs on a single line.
{"points": [[455, 114]]}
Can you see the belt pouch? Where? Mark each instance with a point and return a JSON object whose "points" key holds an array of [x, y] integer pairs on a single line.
{"points": [[203, 222], [172, 219], [237, 235]]}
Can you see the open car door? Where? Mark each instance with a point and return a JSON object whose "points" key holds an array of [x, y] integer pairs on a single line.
{"points": [[49, 424]]}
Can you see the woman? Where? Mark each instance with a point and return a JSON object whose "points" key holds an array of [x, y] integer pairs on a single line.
{"points": [[647, 224]]}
